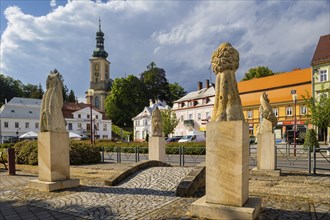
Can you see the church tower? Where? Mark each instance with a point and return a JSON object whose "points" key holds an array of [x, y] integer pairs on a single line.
{"points": [[100, 80]]}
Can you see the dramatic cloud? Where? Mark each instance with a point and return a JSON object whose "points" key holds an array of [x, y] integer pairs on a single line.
{"points": [[178, 35]]}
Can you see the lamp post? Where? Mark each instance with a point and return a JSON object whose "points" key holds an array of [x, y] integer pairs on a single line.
{"points": [[90, 93], [294, 98]]}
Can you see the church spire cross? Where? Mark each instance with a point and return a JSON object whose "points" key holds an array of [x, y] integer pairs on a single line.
{"points": [[99, 51], [99, 23]]}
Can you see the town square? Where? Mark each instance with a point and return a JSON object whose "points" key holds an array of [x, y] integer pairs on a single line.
{"points": [[165, 110]]}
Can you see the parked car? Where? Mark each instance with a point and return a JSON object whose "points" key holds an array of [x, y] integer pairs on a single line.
{"points": [[193, 136], [253, 139], [174, 139]]}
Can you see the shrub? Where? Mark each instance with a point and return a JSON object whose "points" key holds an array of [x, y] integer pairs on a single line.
{"points": [[311, 139], [26, 152], [83, 153]]}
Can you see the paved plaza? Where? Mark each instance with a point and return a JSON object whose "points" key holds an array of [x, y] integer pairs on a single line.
{"points": [[150, 194]]}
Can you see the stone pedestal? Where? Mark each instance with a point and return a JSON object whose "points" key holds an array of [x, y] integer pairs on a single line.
{"points": [[227, 173], [157, 148], [53, 162], [266, 159]]}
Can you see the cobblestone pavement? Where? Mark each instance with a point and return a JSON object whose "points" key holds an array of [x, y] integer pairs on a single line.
{"points": [[150, 195]]}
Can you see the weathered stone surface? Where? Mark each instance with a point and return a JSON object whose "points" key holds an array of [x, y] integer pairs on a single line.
{"points": [[53, 186], [53, 156], [192, 182], [156, 123], [266, 151], [51, 116], [157, 148], [203, 209], [227, 103], [227, 163]]}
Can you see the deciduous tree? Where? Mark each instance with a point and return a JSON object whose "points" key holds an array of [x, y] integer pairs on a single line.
{"points": [[169, 121], [258, 72]]}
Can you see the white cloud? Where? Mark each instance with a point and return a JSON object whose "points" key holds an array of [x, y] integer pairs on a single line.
{"points": [[179, 37], [52, 3]]}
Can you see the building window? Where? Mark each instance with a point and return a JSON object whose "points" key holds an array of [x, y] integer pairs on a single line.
{"points": [[182, 104], [181, 118], [105, 127], [250, 114], [199, 116], [190, 116], [16, 124], [88, 116], [79, 115], [303, 110], [105, 136], [323, 75], [6, 125], [275, 110], [27, 124], [79, 125], [205, 100], [70, 126], [191, 103], [36, 125], [96, 117], [97, 100], [207, 115], [289, 111]]}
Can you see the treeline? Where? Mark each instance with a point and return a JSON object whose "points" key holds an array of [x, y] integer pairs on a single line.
{"points": [[10, 88], [130, 94]]}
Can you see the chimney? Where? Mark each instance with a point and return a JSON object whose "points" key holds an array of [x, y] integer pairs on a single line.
{"points": [[207, 84], [200, 85], [295, 69]]}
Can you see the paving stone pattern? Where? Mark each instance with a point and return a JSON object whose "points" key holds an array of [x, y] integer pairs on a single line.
{"points": [[140, 195]]}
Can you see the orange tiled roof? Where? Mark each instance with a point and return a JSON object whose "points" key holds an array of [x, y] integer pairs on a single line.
{"points": [[295, 77], [276, 95], [322, 51]]}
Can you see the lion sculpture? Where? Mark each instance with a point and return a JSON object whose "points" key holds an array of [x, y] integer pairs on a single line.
{"points": [[268, 118]]}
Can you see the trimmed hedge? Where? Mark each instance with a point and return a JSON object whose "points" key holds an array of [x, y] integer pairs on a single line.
{"points": [[83, 153], [80, 153]]}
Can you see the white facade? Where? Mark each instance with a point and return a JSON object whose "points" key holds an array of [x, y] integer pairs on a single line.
{"points": [[142, 122], [194, 110], [80, 124], [21, 115]]}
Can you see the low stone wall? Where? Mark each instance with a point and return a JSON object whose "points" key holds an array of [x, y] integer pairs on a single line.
{"points": [[131, 169], [192, 182]]}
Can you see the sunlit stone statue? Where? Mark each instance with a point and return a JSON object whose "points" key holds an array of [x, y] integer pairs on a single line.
{"points": [[53, 141], [51, 116], [156, 123], [268, 118], [227, 104], [227, 148]]}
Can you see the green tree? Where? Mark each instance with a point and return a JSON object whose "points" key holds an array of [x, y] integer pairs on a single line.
{"points": [[155, 83], [176, 92], [127, 98], [258, 72], [311, 139], [319, 110], [169, 121], [32, 91], [9, 88], [71, 96]]}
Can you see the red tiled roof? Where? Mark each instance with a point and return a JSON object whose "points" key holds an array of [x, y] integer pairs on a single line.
{"points": [[322, 52]]}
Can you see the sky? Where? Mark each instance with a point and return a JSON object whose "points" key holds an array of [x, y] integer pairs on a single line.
{"points": [[38, 36]]}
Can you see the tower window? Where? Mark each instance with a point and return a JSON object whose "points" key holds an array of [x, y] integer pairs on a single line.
{"points": [[97, 102]]}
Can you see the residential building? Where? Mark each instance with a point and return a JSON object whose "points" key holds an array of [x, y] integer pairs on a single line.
{"points": [[321, 66], [194, 109], [100, 80], [21, 115], [142, 122]]}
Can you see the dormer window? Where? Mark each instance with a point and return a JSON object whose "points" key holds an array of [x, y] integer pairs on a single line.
{"points": [[12, 111]]}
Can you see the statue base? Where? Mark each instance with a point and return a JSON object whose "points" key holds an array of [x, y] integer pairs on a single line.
{"points": [[266, 151], [157, 148], [203, 209], [260, 172], [53, 186]]}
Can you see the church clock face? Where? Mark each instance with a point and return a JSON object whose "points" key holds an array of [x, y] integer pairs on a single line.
{"points": [[97, 73]]}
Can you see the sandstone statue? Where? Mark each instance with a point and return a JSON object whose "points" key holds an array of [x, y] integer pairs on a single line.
{"points": [[227, 104], [51, 117], [156, 123], [268, 119]]}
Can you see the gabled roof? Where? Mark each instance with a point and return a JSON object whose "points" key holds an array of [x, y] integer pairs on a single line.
{"points": [[205, 92], [322, 51], [21, 108], [70, 107], [147, 111]]}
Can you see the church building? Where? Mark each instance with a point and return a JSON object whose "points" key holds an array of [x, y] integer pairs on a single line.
{"points": [[100, 82]]}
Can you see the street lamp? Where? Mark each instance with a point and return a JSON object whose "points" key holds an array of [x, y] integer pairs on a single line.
{"points": [[294, 98], [90, 93]]}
